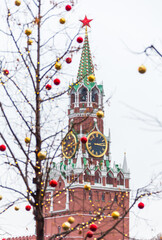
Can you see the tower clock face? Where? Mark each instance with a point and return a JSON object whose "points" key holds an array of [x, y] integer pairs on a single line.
{"points": [[69, 145], [96, 144]]}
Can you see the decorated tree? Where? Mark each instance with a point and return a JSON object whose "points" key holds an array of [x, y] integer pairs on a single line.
{"points": [[39, 44]]}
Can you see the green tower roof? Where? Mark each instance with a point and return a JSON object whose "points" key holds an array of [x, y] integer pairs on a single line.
{"points": [[86, 67]]}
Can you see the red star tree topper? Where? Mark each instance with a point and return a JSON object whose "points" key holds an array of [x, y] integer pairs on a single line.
{"points": [[86, 21]]}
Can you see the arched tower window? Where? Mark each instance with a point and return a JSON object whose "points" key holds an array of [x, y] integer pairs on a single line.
{"points": [[109, 178], [83, 94], [72, 176], [72, 95], [87, 176], [97, 177], [94, 95], [120, 179], [72, 98]]}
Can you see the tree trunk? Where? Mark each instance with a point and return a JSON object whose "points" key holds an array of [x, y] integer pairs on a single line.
{"points": [[39, 227]]}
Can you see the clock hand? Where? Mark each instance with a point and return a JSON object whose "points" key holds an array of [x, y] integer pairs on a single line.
{"points": [[100, 144]]}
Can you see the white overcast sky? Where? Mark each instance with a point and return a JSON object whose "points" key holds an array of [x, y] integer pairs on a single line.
{"points": [[119, 28]]}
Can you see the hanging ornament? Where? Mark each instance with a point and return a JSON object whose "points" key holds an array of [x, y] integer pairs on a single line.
{"points": [[87, 187], [28, 31], [89, 234], [56, 81], [68, 60], [115, 215], [68, 7], [5, 72], [142, 69], [27, 140], [48, 87], [58, 66], [83, 139], [53, 183], [62, 20], [16, 208], [100, 114], [30, 41], [17, 3], [71, 220], [28, 207], [66, 226], [42, 155], [93, 227], [2, 148], [91, 78], [1, 197], [141, 205], [79, 39]]}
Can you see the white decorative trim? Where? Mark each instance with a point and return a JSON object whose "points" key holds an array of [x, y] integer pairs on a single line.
{"points": [[83, 214], [101, 187], [81, 115]]}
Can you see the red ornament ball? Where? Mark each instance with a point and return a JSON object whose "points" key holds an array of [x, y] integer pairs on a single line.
{"points": [[83, 139], [48, 87], [68, 60], [56, 81], [53, 183], [79, 39], [89, 234], [141, 205], [5, 72], [2, 148], [93, 227], [68, 7], [28, 207]]}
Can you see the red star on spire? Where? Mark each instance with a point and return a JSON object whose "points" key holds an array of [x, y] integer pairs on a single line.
{"points": [[86, 21]]}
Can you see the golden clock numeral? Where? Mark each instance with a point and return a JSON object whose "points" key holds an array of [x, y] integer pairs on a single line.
{"points": [[103, 140], [92, 137], [92, 151], [103, 149], [96, 153], [96, 134], [90, 147]]}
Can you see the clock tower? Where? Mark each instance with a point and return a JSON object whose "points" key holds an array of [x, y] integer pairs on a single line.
{"points": [[89, 186]]}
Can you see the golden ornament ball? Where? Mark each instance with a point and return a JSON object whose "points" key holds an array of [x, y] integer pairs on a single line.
{"points": [[100, 114], [91, 78], [1, 197], [17, 3], [17, 208], [66, 226], [115, 215], [28, 31], [62, 20], [58, 65], [87, 187], [30, 41], [42, 155], [27, 140], [71, 220], [142, 69]]}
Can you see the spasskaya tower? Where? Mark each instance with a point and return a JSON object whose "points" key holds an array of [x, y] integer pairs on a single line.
{"points": [[90, 187]]}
